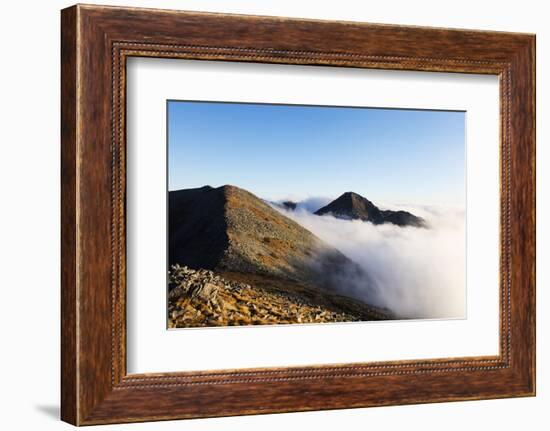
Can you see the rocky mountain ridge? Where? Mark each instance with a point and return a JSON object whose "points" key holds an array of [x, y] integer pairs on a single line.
{"points": [[230, 229], [243, 239]]}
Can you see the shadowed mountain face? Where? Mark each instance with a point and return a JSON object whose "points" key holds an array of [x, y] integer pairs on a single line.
{"points": [[197, 229], [355, 207]]}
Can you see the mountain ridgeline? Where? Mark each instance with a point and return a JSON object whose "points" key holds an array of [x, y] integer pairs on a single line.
{"points": [[352, 206], [286, 273], [230, 229]]}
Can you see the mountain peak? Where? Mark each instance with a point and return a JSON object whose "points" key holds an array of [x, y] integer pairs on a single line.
{"points": [[355, 198], [353, 206], [229, 228]]}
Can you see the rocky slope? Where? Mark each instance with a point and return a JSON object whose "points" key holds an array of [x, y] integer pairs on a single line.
{"points": [[202, 298], [230, 229], [243, 239], [355, 207]]}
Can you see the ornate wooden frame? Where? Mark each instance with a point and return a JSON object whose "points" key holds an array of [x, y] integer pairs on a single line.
{"points": [[95, 42]]}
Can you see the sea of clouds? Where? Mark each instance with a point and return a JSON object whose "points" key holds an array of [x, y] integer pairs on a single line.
{"points": [[414, 272]]}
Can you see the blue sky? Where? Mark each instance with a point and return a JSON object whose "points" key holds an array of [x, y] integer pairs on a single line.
{"points": [[291, 151]]}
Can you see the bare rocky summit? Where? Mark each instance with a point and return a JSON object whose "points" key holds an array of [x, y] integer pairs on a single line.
{"points": [[353, 206]]}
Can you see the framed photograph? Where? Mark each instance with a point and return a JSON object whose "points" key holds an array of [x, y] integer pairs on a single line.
{"points": [[263, 214]]}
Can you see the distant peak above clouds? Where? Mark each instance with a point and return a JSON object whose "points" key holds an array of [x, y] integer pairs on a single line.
{"points": [[353, 206]]}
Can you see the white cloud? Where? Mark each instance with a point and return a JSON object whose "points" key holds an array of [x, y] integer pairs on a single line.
{"points": [[417, 273]]}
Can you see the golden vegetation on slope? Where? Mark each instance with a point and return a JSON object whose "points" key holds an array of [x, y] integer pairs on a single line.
{"points": [[200, 298]]}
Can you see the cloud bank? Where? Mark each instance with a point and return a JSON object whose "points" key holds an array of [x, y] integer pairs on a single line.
{"points": [[416, 273]]}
